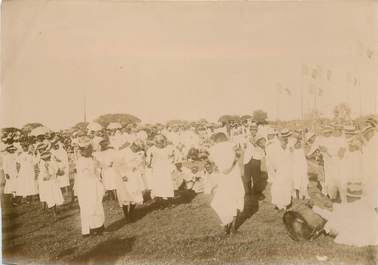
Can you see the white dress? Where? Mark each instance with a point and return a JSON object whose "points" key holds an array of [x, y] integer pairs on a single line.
{"points": [[131, 166], [161, 169], [355, 223], [49, 190], [282, 184], [229, 195], [300, 172], [108, 172], [26, 181], [332, 163], [90, 192], [271, 151], [62, 158], [10, 168]]}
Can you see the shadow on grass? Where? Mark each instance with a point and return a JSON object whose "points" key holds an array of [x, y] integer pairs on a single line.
{"points": [[106, 252], [181, 197], [10, 251], [251, 199], [66, 252]]}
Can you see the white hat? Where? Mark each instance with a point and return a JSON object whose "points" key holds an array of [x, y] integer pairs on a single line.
{"points": [[39, 131]]}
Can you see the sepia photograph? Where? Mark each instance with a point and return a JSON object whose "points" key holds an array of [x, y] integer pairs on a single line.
{"points": [[189, 132]]}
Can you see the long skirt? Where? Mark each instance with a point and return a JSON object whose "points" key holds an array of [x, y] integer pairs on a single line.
{"points": [[64, 180], [161, 181], [130, 191], [26, 184], [332, 173], [281, 190], [10, 185], [109, 176], [90, 192], [49, 192], [229, 197]]}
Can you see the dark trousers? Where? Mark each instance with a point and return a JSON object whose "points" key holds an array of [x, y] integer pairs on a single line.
{"points": [[252, 179]]}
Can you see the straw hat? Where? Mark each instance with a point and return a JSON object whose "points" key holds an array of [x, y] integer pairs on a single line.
{"points": [[285, 133], [11, 148]]}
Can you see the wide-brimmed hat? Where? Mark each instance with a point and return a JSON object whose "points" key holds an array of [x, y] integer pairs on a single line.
{"points": [[285, 133], [327, 129], [43, 147], [372, 122], [367, 129], [11, 148], [350, 129]]}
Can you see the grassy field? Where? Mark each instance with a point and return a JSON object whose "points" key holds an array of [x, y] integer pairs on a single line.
{"points": [[186, 232]]}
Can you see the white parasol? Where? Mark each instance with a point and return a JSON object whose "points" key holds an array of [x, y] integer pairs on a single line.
{"points": [[39, 131], [94, 126]]}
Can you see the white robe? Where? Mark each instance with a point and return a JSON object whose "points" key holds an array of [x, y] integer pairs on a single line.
{"points": [[90, 192], [271, 152], [282, 184], [355, 223], [332, 163], [62, 157], [26, 180], [161, 169], [131, 166], [300, 172], [229, 195], [108, 171], [49, 190]]}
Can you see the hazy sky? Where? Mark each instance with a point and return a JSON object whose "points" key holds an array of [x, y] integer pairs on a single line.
{"points": [[181, 60]]}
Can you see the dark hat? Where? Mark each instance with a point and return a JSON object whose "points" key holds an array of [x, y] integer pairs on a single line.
{"points": [[285, 133], [372, 122], [43, 147], [11, 148]]}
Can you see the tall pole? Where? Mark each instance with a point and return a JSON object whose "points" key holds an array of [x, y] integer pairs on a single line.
{"points": [[301, 102]]}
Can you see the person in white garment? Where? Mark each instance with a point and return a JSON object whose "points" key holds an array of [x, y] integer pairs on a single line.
{"points": [[331, 146], [282, 184], [354, 223], [130, 166], [10, 172], [350, 184], [107, 156], [228, 200], [90, 191], [160, 158], [49, 191], [27, 185], [270, 149], [300, 170], [61, 156]]}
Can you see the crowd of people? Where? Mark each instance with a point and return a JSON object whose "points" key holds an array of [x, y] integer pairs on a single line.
{"points": [[132, 163]]}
